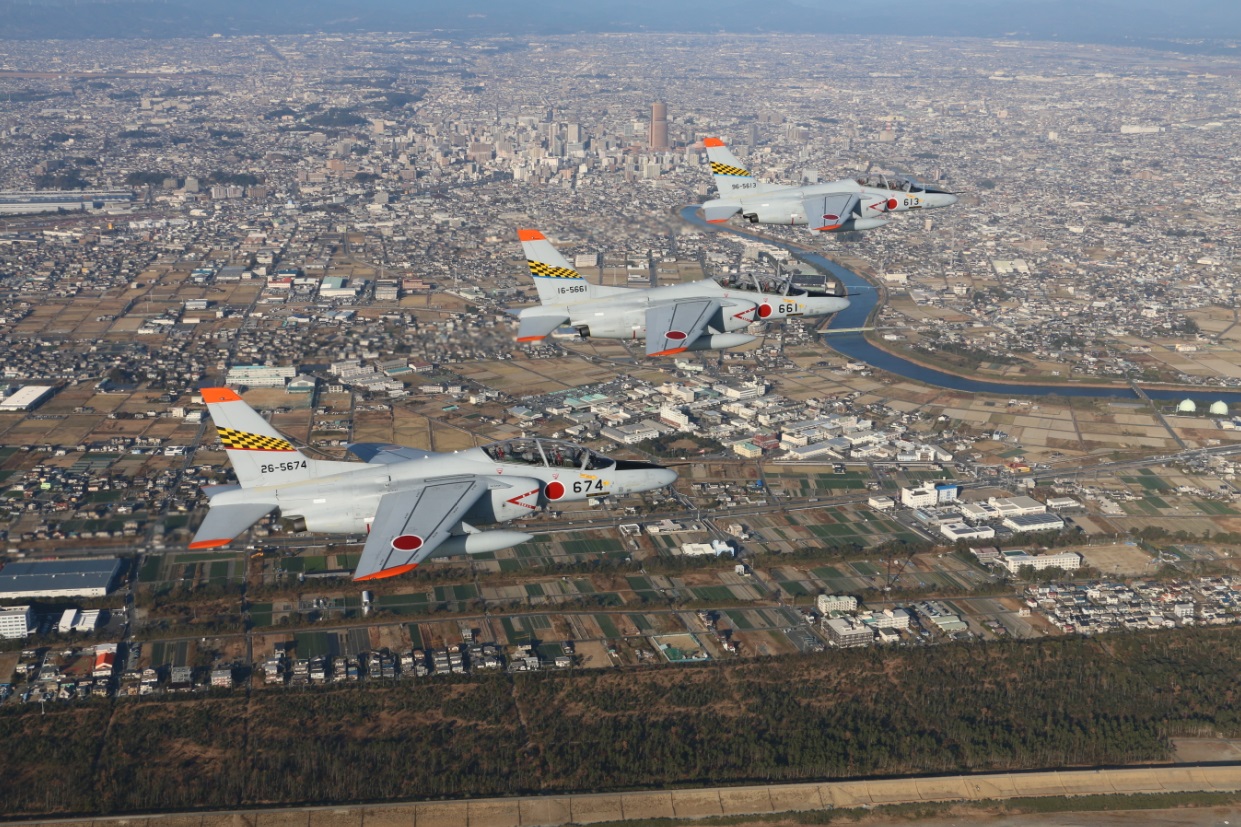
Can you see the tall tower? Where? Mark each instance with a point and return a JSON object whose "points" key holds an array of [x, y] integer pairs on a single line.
{"points": [[658, 137]]}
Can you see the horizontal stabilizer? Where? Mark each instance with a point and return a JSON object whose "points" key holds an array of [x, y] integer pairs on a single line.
{"points": [[717, 212], [225, 522], [536, 327]]}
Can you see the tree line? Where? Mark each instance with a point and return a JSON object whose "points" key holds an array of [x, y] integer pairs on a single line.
{"points": [[1006, 705]]}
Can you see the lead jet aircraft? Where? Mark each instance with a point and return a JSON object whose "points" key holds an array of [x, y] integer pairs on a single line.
{"points": [[413, 504], [837, 206], [697, 315]]}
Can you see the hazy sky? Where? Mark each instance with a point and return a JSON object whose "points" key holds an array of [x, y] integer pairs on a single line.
{"points": [[1082, 20]]}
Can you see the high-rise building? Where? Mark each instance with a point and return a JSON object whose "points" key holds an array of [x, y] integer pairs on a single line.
{"points": [[658, 137]]}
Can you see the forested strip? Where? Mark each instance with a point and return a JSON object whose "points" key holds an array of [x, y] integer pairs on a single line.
{"points": [[998, 706]]}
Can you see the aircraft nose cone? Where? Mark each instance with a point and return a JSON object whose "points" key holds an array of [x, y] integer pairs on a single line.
{"points": [[948, 199], [663, 477]]}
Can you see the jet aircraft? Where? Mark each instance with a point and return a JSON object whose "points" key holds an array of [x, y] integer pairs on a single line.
{"points": [[837, 206], [413, 504], [698, 315]]}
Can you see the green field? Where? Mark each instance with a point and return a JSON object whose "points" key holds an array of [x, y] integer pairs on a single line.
{"points": [[313, 644], [1148, 481], [793, 587], [404, 604], [170, 654], [713, 593], [644, 625], [607, 626], [523, 629], [600, 545], [457, 594], [149, 572]]}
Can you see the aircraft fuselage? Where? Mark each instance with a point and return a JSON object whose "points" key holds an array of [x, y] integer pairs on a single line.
{"points": [[621, 316], [518, 486]]}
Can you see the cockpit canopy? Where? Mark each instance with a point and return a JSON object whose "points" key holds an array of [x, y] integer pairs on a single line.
{"points": [[755, 283], [897, 183], [547, 453], [771, 285]]}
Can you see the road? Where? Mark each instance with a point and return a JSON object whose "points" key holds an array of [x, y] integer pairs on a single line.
{"points": [[755, 800]]}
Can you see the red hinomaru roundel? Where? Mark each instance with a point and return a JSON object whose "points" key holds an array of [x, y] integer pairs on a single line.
{"points": [[407, 542]]}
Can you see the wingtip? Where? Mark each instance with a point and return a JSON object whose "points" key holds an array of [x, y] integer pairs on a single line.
{"points": [[530, 235], [383, 574], [670, 352], [214, 395], [202, 544], [531, 338], [712, 142]]}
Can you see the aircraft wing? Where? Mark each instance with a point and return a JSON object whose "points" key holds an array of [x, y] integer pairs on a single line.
{"points": [[224, 522], [672, 328], [385, 453], [409, 525], [828, 212]]}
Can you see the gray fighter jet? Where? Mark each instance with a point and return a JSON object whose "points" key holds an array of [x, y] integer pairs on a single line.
{"points": [[849, 204], [413, 504], [697, 315]]}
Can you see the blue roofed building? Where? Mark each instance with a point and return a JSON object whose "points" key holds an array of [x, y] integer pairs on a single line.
{"points": [[94, 577]]}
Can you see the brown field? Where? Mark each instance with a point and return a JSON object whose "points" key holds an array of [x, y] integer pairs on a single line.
{"points": [[1117, 559], [763, 644], [373, 426], [593, 654], [394, 637]]}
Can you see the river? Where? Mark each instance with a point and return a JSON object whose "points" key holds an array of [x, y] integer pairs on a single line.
{"points": [[863, 298]]}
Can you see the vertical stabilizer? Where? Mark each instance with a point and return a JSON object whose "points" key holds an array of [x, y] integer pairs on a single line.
{"points": [[731, 176], [259, 454], [556, 281]]}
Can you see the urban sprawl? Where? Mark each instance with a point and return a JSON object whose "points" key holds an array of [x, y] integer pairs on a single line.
{"points": [[328, 224]]}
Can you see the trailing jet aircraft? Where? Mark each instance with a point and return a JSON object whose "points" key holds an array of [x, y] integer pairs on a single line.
{"points": [[413, 504], [698, 315], [837, 206]]}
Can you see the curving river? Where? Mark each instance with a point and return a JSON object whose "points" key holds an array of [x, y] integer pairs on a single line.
{"points": [[863, 298]]}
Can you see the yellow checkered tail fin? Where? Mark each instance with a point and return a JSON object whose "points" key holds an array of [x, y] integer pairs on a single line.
{"points": [[555, 279], [260, 456], [732, 178]]}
